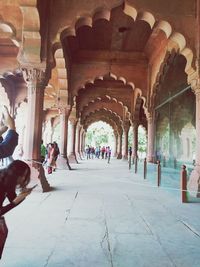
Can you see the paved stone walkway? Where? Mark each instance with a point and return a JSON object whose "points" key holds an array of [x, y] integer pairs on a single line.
{"points": [[103, 215]]}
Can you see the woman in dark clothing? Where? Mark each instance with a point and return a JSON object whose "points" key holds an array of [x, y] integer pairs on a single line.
{"points": [[16, 175]]}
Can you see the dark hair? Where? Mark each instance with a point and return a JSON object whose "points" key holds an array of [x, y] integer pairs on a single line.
{"points": [[13, 171]]}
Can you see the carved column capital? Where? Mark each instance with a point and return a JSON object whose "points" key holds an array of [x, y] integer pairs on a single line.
{"points": [[65, 110], [126, 125], [134, 123], [73, 121], [150, 117], [34, 78]]}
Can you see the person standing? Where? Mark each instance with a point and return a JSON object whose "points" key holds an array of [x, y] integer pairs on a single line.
{"points": [[42, 151], [109, 154]]}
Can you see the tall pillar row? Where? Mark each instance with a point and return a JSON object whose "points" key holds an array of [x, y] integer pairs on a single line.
{"points": [[35, 89], [126, 126], [72, 153], [116, 143], [150, 138], [119, 155], [64, 115], [77, 141], [135, 139], [194, 181]]}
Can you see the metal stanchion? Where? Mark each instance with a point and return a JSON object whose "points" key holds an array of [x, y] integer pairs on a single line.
{"points": [[145, 168], [158, 173], [136, 162], [184, 184]]}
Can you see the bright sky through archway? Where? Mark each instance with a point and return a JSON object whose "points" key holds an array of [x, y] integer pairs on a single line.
{"points": [[100, 134]]}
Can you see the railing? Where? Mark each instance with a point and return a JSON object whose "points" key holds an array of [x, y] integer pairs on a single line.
{"points": [[173, 179]]}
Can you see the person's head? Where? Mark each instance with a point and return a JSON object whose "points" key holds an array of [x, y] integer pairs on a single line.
{"points": [[17, 174], [55, 144]]}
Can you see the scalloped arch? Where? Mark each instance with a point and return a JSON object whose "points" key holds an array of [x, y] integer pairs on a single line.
{"points": [[176, 41], [83, 21], [106, 111], [109, 98], [87, 113], [111, 75], [165, 27], [101, 14], [87, 124], [148, 17]]}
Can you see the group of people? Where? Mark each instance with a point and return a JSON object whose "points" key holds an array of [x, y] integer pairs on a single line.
{"points": [[98, 152], [49, 155], [15, 175]]}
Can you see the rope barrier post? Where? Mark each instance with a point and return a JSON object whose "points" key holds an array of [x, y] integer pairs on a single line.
{"points": [[136, 162], [158, 173], [145, 168], [184, 184], [129, 163]]}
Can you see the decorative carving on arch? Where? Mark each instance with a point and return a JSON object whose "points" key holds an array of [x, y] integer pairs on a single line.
{"points": [[103, 100], [58, 92], [95, 107], [106, 113], [99, 117]]}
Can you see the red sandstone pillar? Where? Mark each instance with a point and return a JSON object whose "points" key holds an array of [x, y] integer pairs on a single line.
{"points": [[36, 86], [116, 144], [150, 138], [119, 156], [194, 181], [80, 142], [64, 114], [126, 126], [77, 142], [72, 154], [135, 140], [84, 136]]}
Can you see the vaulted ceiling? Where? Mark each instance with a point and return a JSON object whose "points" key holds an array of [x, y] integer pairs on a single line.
{"points": [[108, 60]]}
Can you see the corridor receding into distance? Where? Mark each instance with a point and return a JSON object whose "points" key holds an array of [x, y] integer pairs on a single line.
{"points": [[104, 215]]}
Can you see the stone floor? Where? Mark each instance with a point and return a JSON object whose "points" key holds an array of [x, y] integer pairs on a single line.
{"points": [[103, 215]]}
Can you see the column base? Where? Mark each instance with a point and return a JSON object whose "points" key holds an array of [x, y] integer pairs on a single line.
{"points": [[63, 163], [119, 156], [72, 158], [193, 185], [151, 159], [125, 157], [78, 156], [82, 154], [37, 170]]}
